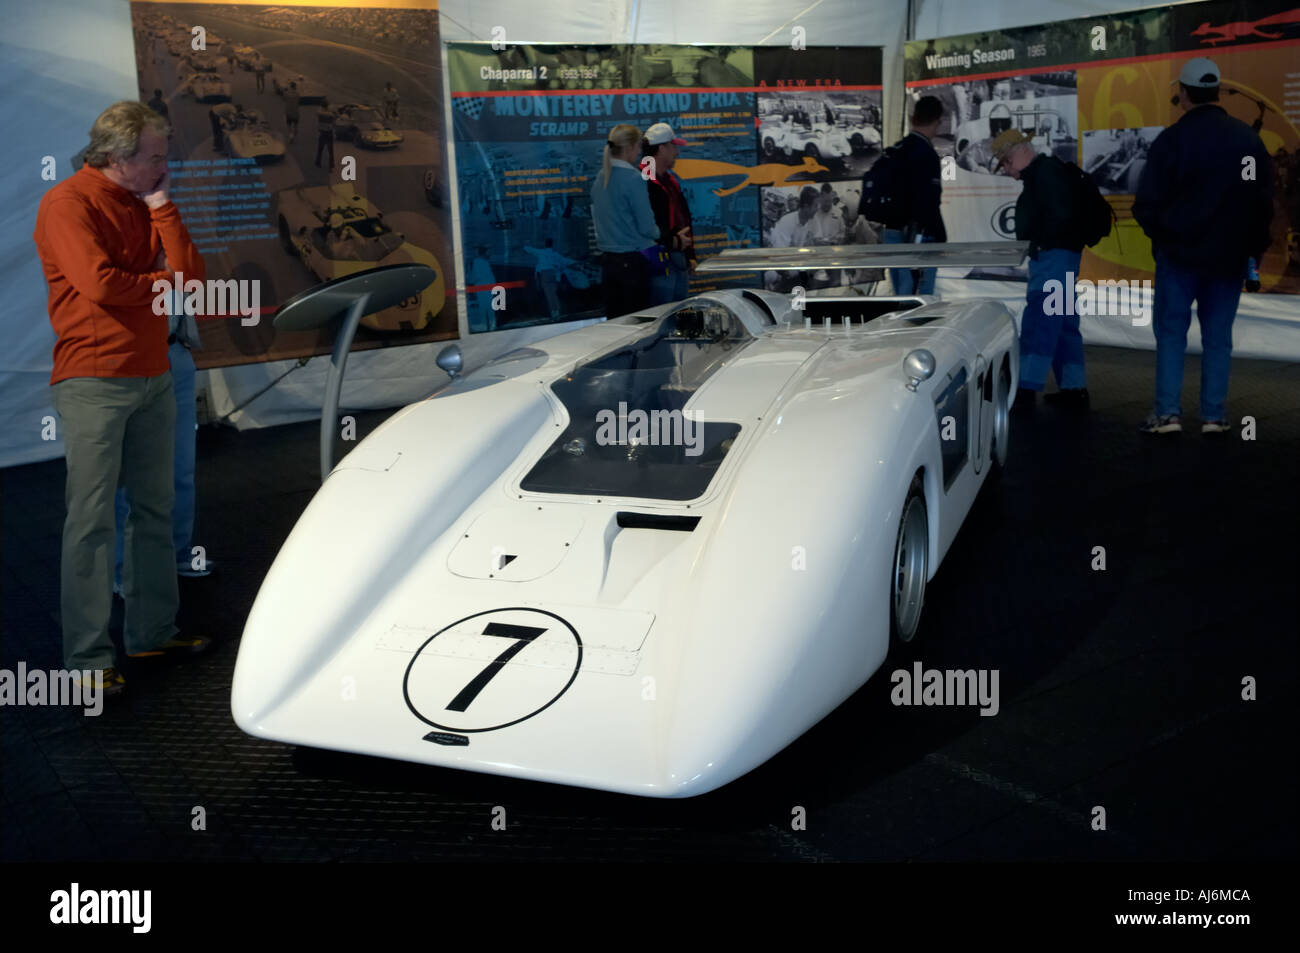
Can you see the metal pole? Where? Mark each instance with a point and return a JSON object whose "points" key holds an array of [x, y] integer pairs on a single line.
{"points": [[334, 382]]}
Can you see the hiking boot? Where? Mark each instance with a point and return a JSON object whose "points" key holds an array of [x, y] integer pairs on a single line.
{"points": [[1162, 423], [112, 681]]}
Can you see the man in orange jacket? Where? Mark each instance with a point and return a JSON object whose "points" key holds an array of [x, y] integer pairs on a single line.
{"points": [[105, 235]]}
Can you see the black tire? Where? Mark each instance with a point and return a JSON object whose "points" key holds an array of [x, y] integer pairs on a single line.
{"points": [[1000, 439], [909, 567]]}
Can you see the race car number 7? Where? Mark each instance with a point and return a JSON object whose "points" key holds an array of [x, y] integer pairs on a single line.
{"points": [[522, 634]]}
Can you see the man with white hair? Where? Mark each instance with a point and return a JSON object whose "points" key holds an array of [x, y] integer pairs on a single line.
{"points": [[105, 235], [1205, 199]]}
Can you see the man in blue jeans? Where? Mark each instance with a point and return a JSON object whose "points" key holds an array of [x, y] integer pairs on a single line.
{"points": [[919, 165], [1205, 199]]}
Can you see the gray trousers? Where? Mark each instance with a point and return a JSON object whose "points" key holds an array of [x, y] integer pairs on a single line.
{"points": [[117, 430]]}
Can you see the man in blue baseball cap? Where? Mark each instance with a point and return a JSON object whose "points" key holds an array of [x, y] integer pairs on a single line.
{"points": [[1205, 199]]}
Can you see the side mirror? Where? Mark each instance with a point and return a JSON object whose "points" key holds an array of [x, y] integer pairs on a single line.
{"points": [[918, 366], [450, 360]]}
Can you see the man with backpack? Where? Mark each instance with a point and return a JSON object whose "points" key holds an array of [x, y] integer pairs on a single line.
{"points": [[1059, 212], [902, 191], [1205, 199]]}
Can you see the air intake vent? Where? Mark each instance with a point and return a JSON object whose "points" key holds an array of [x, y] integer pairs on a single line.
{"points": [[681, 524]]}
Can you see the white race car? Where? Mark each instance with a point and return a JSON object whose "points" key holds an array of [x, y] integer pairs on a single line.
{"points": [[309, 91], [820, 141], [646, 555], [248, 135], [207, 88], [365, 126]]}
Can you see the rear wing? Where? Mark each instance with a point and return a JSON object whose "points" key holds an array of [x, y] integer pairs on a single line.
{"points": [[925, 255]]}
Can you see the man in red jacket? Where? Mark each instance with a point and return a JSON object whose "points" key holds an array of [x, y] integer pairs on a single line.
{"points": [[105, 235]]}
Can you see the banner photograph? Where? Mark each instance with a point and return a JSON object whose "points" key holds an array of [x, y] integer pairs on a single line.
{"points": [[531, 122], [307, 145], [1096, 91]]}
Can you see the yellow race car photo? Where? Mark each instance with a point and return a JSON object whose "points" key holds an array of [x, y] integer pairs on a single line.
{"points": [[336, 232]]}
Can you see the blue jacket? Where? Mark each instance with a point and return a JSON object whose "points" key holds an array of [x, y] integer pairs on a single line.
{"points": [[1192, 200], [621, 213]]}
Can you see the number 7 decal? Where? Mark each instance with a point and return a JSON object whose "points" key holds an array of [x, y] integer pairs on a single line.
{"points": [[523, 634]]}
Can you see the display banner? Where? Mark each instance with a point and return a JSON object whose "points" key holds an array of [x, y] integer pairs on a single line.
{"points": [[1096, 91], [530, 123], [279, 197]]}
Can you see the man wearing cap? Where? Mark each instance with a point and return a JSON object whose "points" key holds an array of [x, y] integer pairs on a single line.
{"points": [[1207, 209], [1045, 218], [672, 215]]}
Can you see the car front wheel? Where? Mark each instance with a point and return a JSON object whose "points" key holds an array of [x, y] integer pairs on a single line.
{"points": [[910, 566]]}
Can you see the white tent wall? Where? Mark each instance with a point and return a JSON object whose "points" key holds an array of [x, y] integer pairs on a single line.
{"points": [[61, 63]]}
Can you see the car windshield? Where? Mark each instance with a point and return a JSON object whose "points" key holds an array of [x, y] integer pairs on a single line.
{"points": [[627, 434], [365, 115]]}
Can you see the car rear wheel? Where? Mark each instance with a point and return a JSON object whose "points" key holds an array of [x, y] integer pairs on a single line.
{"points": [[910, 567], [1001, 422]]}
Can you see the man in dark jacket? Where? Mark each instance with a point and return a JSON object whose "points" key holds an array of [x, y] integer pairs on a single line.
{"points": [[919, 175], [1045, 217], [672, 215], [1205, 199]]}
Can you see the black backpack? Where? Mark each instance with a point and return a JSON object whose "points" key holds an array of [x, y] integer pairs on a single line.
{"points": [[1093, 217], [884, 198]]}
